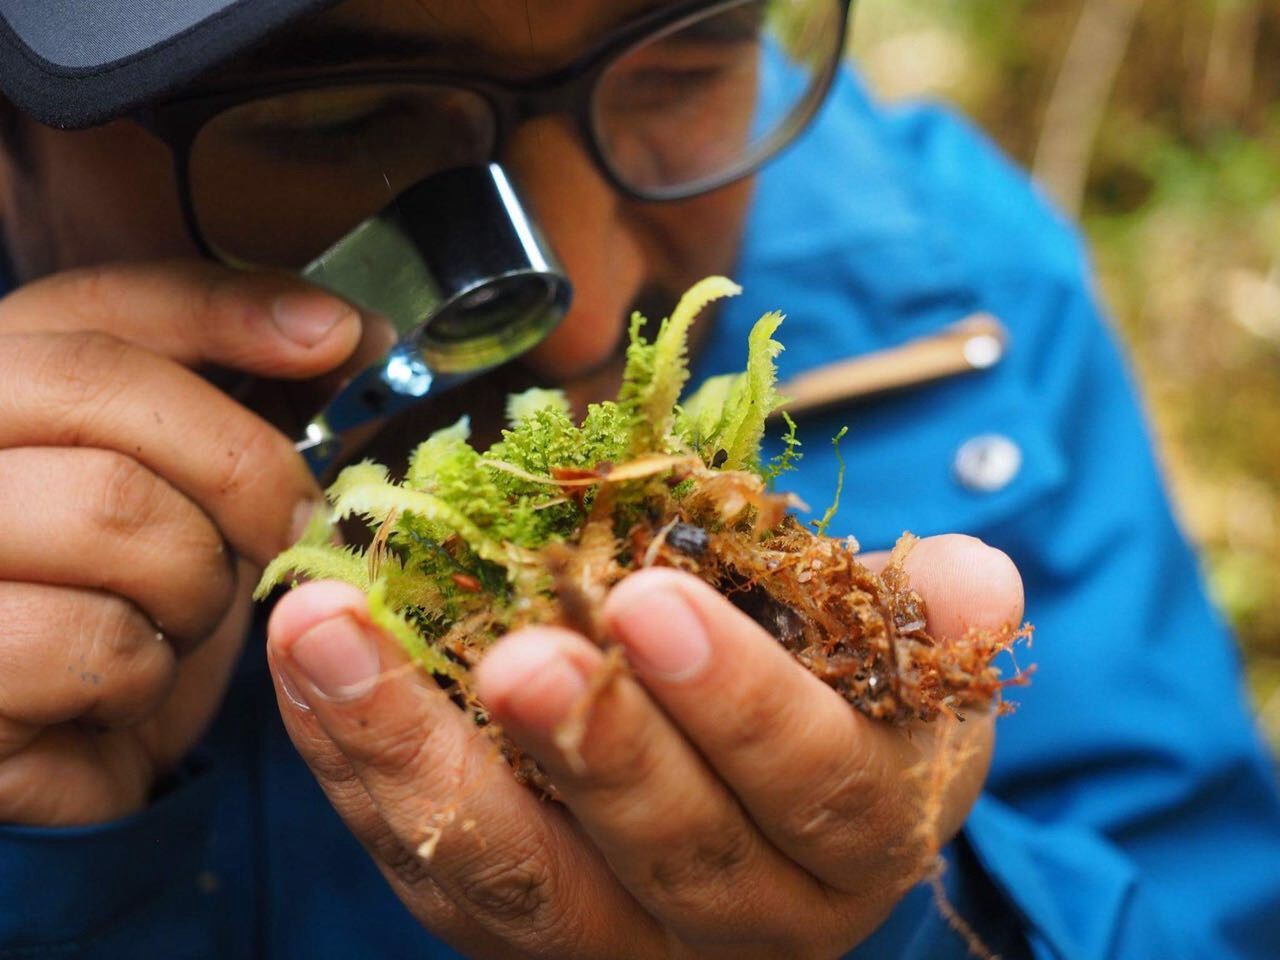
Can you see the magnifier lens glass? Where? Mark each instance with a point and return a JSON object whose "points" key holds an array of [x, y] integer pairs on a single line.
{"points": [[492, 307], [493, 322]]}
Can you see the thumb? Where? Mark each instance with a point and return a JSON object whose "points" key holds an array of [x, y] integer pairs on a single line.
{"points": [[197, 313], [965, 584]]}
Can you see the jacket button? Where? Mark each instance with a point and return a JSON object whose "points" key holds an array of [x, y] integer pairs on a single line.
{"points": [[988, 464]]}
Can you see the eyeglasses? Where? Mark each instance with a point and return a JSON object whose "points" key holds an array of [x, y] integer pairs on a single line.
{"points": [[675, 104]]}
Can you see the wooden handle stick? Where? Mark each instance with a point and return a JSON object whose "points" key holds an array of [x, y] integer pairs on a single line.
{"points": [[975, 343]]}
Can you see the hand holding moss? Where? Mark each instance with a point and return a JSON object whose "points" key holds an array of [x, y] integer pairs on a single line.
{"points": [[725, 802], [138, 503], [567, 589]]}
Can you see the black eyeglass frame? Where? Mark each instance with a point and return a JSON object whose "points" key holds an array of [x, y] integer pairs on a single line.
{"points": [[569, 90]]}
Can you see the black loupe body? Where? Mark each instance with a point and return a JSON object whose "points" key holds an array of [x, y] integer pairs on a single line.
{"points": [[465, 277]]}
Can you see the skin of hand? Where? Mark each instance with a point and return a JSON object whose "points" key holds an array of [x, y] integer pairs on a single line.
{"points": [[726, 802], [138, 504], [128, 484]]}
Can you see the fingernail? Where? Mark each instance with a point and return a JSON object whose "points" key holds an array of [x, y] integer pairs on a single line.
{"points": [[664, 638], [291, 691], [338, 657], [307, 318], [303, 515]]}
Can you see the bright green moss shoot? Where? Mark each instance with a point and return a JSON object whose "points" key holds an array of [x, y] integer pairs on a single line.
{"points": [[462, 517]]}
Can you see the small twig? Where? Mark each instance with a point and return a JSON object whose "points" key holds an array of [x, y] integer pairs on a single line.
{"points": [[651, 554], [378, 549], [551, 503], [572, 730], [632, 470]]}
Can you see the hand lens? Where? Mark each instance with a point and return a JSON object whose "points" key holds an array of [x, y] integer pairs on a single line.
{"points": [[464, 276]]}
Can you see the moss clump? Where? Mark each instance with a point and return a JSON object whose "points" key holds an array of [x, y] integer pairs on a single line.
{"points": [[537, 528]]}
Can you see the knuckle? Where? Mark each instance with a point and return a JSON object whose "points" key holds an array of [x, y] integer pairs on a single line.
{"points": [[397, 751], [141, 666], [622, 764], [206, 583], [513, 891], [178, 566], [758, 717], [691, 873], [401, 757], [834, 803], [122, 669], [116, 625], [93, 623], [402, 762], [129, 496], [850, 800], [255, 450], [334, 771], [81, 371], [407, 866]]}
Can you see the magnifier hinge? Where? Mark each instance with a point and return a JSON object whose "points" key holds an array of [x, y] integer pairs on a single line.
{"points": [[407, 375]]}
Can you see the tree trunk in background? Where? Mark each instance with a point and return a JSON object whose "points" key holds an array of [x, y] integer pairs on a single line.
{"points": [[1080, 96], [1233, 52]]}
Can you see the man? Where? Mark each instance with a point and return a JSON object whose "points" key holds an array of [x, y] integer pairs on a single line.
{"points": [[729, 805]]}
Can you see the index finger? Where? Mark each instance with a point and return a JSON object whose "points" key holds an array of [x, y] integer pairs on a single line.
{"points": [[91, 390], [195, 312], [514, 865]]}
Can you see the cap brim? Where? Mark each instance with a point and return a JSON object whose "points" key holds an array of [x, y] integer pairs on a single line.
{"points": [[76, 63]]}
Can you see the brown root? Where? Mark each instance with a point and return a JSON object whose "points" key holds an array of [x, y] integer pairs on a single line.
{"points": [[571, 731]]}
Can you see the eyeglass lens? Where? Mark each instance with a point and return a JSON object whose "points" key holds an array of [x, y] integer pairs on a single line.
{"points": [[715, 95], [276, 180]]}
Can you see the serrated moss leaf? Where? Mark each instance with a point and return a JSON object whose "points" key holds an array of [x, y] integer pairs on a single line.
{"points": [[314, 562], [657, 373]]}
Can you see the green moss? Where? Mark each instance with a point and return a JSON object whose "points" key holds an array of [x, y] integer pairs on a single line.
{"points": [[729, 413], [820, 526], [458, 536]]}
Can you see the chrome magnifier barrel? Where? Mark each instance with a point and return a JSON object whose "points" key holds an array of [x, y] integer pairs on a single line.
{"points": [[462, 273]]}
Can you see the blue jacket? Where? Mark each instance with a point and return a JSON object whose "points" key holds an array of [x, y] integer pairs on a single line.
{"points": [[1131, 810]]}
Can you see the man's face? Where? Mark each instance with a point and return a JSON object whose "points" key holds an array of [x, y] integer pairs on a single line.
{"points": [[88, 197]]}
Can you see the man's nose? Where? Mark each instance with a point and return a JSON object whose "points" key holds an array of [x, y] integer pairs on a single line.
{"points": [[584, 218]]}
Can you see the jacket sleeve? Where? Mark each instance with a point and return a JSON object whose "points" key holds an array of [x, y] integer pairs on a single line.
{"points": [[1132, 809], [135, 887]]}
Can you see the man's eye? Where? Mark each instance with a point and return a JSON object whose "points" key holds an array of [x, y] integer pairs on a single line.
{"points": [[321, 139], [653, 88], [335, 129], [678, 79]]}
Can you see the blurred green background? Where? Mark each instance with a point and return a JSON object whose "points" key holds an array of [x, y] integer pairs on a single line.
{"points": [[1157, 124]]}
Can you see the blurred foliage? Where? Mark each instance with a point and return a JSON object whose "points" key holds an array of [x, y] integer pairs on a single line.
{"points": [[1157, 123]]}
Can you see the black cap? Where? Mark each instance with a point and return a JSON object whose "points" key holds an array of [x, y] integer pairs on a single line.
{"points": [[75, 63]]}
